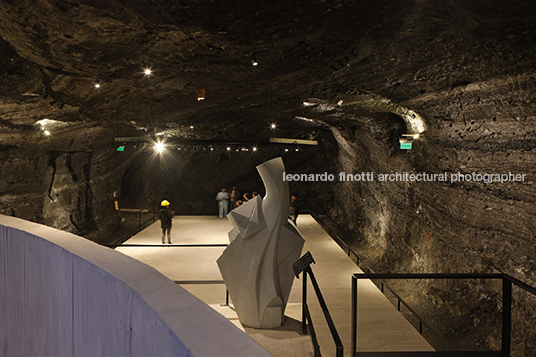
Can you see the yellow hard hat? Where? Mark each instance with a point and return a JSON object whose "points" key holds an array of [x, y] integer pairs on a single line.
{"points": [[164, 203]]}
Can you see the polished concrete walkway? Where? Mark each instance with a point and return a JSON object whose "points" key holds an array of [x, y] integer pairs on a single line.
{"points": [[380, 326]]}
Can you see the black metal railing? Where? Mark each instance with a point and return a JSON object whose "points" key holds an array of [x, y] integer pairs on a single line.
{"points": [[362, 264], [507, 282], [141, 224], [304, 265]]}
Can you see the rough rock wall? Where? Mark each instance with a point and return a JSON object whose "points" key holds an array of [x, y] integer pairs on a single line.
{"points": [[66, 180], [483, 127]]}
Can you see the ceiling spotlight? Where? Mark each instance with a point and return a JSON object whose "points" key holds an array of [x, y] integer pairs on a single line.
{"points": [[416, 136], [228, 148], [254, 60], [159, 147], [147, 71], [286, 150], [191, 126], [273, 126], [254, 149], [47, 133], [97, 85]]}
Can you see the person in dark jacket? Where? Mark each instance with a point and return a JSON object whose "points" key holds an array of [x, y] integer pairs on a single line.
{"points": [[166, 216], [294, 208]]}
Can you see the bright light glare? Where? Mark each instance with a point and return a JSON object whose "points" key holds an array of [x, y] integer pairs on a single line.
{"points": [[254, 149], [416, 136], [159, 147], [97, 85], [228, 148], [273, 126], [255, 63], [47, 132], [147, 71]]}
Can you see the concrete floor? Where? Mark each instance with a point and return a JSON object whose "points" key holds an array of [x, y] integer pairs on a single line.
{"points": [[380, 326]]}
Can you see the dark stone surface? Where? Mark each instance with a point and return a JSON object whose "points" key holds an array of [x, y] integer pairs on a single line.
{"points": [[466, 67]]}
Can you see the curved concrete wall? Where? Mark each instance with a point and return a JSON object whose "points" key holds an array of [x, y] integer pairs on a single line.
{"points": [[62, 295]]}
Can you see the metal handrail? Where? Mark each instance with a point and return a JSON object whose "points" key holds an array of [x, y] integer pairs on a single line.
{"points": [[303, 265], [507, 281], [361, 260], [141, 224]]}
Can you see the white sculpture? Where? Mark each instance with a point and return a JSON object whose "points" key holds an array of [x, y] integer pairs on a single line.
{"points": [[257, 265]]}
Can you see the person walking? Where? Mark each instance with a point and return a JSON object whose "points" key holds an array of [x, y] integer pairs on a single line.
{"points": [[166, 217], [223, 198]]}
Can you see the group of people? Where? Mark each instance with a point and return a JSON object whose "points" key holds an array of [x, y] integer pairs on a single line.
{"points": [[226, 201], [230, 200]]}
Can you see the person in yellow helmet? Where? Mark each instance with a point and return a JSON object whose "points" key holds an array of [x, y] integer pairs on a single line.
{"points": [[166, 217]]}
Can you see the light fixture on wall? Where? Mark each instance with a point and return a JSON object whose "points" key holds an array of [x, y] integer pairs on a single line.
{"points": [[200, 94]]}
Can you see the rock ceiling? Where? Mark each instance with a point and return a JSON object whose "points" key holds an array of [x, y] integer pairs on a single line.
{"points": [[54, 52]]}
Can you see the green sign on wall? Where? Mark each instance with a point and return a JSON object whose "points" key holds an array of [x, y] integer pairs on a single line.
{"points": [[405, 146], [121, 148]]}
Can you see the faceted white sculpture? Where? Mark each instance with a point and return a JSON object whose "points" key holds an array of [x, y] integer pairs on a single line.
{"points": [[257, 264]]}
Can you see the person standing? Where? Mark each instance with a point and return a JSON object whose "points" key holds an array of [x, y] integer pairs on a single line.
{"points": [[235, 194], [294, 208], [223, 198], [166, 217]]}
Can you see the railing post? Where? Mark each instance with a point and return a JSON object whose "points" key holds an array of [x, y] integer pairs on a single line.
{"points": [[304, 302], [506, 316], [354, 315]]}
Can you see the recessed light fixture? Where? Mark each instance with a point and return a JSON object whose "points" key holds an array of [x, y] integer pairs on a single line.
{"points": [[273, 126], [159, 147], [47, 133], [147, 71]]}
